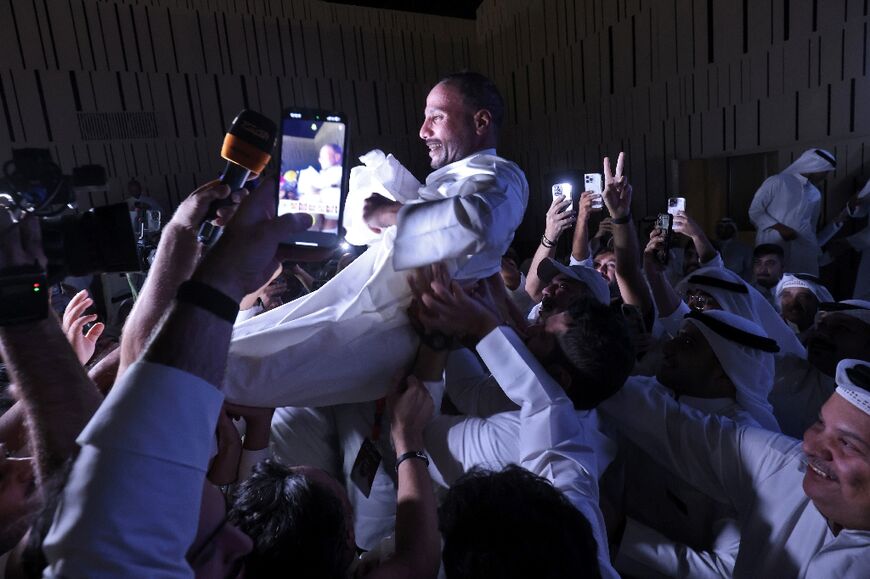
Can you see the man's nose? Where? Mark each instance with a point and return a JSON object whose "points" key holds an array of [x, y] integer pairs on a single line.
{"points": [[815, 444], [425, 130]]}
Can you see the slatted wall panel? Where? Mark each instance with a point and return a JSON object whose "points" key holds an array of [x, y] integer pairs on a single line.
{"points": [[677, 79], [147, 87]]}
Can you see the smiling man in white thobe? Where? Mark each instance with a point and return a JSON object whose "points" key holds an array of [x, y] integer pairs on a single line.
{"points": [[793, 524], [785, 210], [342, 343]]}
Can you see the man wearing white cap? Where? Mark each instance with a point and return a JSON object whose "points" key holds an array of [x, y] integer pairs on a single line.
{"points": [[720, 365], [796, 524], [785, 209], [801, 386], [563, 283], [552, 380], [798, 296]]}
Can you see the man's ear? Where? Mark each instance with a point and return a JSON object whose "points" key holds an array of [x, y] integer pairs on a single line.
{"points": [[561, 375], [482, 121]]}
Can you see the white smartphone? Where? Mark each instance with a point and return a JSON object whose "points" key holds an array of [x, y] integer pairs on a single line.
{"points": [[594, 182], [563, 189], [676, 204]]}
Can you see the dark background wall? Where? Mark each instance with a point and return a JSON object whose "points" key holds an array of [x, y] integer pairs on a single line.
{"points": [[678, 80], [147, 87]]}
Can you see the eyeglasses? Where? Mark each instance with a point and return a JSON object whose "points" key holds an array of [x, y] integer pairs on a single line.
{"points": [[699, 302]]}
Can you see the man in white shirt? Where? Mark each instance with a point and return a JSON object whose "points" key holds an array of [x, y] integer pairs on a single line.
{"points": [[546, 435], [137, 503], [841, 330], [342, 343], [562, 284], [721, 365], [793, 524], [786, 208], [767, 263]]}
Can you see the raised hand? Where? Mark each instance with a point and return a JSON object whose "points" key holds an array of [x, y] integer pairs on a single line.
{"points": [[560, 217], [245, 255], [585, 206], [379, 212], [651, 261], [193, 210], [684, 224], [617, 191], [74, 320], [452, 310]]}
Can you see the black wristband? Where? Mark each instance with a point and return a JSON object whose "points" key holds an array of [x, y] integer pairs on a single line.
{"points": [[411, 454], [547, 243], [206, 297], [621, 220]]}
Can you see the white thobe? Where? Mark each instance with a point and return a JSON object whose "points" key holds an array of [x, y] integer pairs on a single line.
{"points": [[131, 505], [671, 504], [343, 342], [756, 471], [793, 201], [549, 438]]}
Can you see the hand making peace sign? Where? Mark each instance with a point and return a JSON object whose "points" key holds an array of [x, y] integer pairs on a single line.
{"points": [[617, 191]]}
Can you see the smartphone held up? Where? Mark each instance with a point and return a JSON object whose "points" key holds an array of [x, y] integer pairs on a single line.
{"points": [[314, 173]]}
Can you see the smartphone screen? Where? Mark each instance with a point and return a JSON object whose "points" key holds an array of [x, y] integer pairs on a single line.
{"points": [[676, 204], [314, 171]]}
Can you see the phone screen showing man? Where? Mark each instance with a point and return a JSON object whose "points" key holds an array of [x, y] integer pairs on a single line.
{"points": [[313, 175]]}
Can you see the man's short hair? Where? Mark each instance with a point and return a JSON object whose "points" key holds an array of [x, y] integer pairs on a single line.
{"points": [[335, 148], [603, 249], [513, 524], [478, 92], [768, 249], [598, 348], [298, 526]]}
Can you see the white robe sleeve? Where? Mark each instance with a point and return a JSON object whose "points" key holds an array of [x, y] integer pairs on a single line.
{"points": [[758, 213], [553, 442], [643, 547], [483, 219], [131, 505], [714, 454]]}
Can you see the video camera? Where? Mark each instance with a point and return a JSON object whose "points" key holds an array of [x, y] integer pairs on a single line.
{"points": [[97, 241]]}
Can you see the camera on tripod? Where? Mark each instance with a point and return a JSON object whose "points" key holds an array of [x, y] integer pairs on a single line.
{"points": [[100, 240]]}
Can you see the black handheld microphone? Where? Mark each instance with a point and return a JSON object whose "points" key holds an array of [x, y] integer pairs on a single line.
{"points": [[247, 149]]}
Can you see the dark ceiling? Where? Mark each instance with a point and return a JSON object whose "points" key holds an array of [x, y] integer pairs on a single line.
{"points": [[455, 8]]}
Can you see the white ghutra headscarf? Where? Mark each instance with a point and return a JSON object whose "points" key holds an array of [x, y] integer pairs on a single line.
{"points": [[746, 354]]}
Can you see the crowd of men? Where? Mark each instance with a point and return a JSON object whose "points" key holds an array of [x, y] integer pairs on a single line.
{"points": [[639, 409]]}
